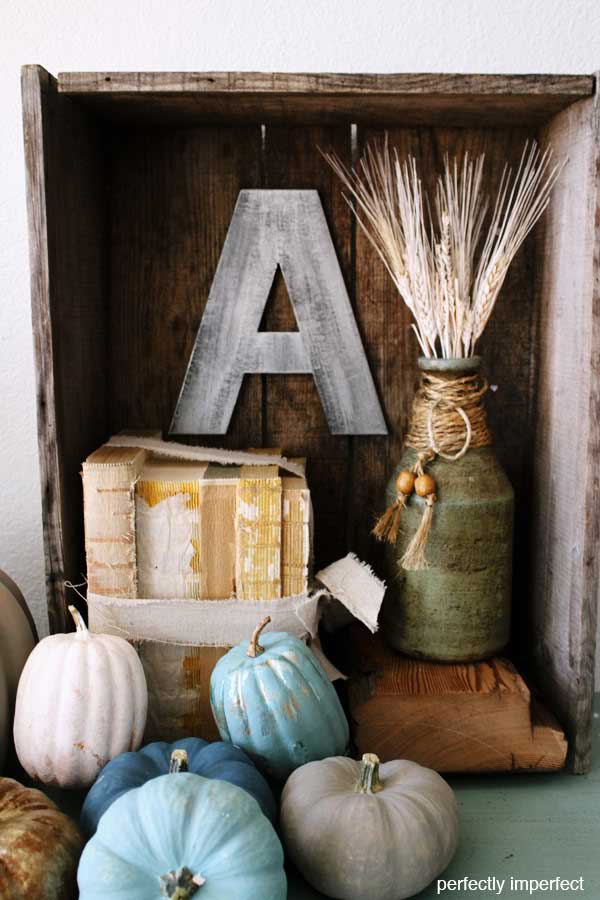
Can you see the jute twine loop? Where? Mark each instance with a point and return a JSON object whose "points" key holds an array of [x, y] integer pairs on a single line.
{"points": [[460, 422], [434, 445]]}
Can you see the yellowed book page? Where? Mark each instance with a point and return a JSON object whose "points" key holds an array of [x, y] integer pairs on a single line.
{"points": [[295, 537], [109, 475], [258, 533], [168, 538]]}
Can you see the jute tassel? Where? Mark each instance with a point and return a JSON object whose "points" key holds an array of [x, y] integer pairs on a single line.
{"points": [[388, 525], [414, 558]]}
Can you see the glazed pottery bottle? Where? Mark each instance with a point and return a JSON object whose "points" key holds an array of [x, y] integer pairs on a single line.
{"points": [[457, 608]]}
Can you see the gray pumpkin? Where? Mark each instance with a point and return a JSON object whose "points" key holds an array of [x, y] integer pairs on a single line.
{"points": [[358, 831]]}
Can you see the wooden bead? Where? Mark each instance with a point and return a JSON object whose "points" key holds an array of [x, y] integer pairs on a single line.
{"points": [[425, 485], [405, 482]]}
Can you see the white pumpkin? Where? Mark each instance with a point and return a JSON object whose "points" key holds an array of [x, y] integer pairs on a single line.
{"points": [[358, 831], [18, 637], [82, 700]]}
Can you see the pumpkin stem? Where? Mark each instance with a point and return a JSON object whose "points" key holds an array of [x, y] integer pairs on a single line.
{"points": [[180, 884], [179, 762], [80, 626], [254, 648], [368, 782]]}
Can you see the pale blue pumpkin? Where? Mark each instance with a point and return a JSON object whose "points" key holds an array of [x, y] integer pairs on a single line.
{"points": [[181, 834], [212, 760], [276, 702]]}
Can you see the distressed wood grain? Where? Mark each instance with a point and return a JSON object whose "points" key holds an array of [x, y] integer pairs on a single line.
{"points": [[294, 415], [67, 220], [564, 521], [271, 228], [477, 717], [316, 98], [173, 195]]}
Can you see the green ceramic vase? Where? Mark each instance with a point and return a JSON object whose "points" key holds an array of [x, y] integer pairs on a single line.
{"points": [[458, 608]]}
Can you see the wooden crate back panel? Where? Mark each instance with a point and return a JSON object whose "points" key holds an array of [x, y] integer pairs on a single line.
{"points": [[173, 196], [293, 415]]}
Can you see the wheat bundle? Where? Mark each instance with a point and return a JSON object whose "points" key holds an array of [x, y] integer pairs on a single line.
{"points": [[448, 259]]}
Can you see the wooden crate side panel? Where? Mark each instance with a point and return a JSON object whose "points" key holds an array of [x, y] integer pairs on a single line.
{"points": [[506, 348], [566, 459], [173, 195], [64, 162]]}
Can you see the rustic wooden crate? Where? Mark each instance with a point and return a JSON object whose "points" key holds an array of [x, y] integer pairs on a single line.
{"points": [[132, 180]]}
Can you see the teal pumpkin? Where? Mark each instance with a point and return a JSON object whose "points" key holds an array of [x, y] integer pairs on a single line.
{"points": [[276, 702], [181, 834], [212, 760]]}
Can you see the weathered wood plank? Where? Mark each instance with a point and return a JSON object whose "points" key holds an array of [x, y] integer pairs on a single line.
{"points": [[325, 83], [66, 213], [173, 197], [271, 228], [419, 99], [294, 416], [477, 717], [564, 521]]}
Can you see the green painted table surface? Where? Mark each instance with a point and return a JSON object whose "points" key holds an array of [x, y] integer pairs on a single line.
{"points": [[524, 826]]}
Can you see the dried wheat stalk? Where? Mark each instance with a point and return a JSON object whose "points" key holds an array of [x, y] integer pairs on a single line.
{"points": [[431, 255]]}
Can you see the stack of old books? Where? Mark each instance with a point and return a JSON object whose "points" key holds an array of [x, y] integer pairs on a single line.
{"points": [[160, 528]]}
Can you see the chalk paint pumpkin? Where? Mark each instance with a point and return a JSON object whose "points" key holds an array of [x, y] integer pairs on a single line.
{"points": [[82, 700], [179, 835], [275, 701], [358, 831], [212, 760], [39, 846]]}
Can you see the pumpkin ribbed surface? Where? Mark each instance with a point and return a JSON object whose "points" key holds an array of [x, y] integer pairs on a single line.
{"points": [[212, 760], [82, 700], [279, 706], [210, 829], [39, 846], [357, 845]]}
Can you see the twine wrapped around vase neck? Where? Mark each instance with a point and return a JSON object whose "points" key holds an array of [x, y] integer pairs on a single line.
{"points": [[448, 418], [448, 415]]}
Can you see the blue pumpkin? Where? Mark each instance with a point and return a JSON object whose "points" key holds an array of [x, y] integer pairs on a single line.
{"points": [[212, 760], [276, 702], [179, 833]]}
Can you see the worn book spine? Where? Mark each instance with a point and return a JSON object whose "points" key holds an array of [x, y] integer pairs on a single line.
{"points": [[296, 538], [109, 477], [258, 533]]}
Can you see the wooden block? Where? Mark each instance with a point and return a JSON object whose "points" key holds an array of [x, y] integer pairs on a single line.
{"points": [[475, 717]]}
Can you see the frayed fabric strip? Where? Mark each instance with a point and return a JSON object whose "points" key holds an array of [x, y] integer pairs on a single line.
{"points": [[226, 622], [197, 623]]}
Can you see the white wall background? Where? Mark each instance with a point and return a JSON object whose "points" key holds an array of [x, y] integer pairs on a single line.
{"points": [[288, 35]]}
